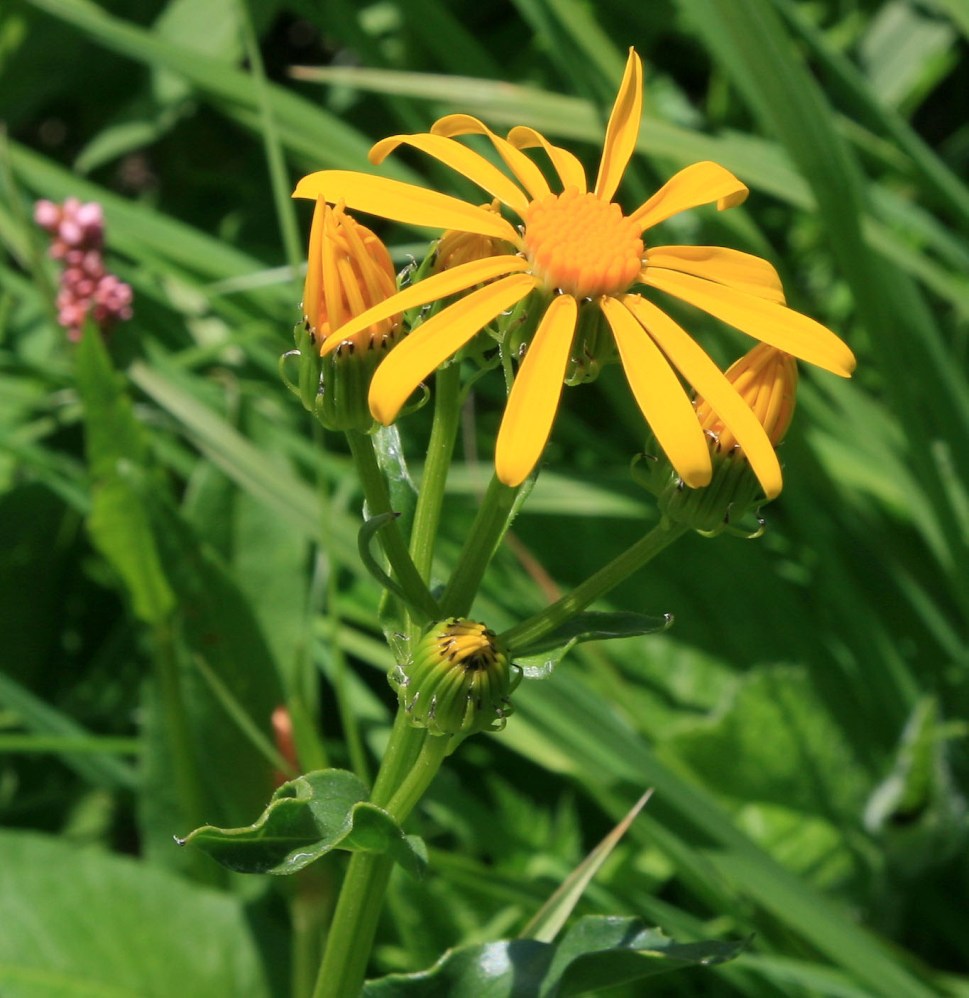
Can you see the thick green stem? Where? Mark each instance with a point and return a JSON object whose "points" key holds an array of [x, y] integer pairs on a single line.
{"points": [[399, 786], [354, 925], [486, 531], [310, 908], [378, 501], [447, 406], [419, 778], [608, 577]]}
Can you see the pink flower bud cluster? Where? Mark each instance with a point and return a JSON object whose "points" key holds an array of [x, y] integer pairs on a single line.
{"points": [[86, 288]]}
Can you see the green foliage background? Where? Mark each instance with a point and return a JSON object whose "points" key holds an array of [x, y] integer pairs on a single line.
{"points": [[165, 566]]}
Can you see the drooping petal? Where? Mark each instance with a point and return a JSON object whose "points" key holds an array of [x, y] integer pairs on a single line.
{"points": [[699, 183], [567, 166], [730, 267], [526, 172], [434, 288], [402, 202], [428, 346], [767, 321], [660, 396], [709, 381], [313, 285], [466, 161], [622, 130], [530, 412]]}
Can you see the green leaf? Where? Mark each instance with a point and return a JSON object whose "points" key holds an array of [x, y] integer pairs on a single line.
{"points": [[550, 918], [598, 952], [400, 486], [229, 688], [602, 951], [120, 524], [79, 922], [539, 657], [307, 818]]}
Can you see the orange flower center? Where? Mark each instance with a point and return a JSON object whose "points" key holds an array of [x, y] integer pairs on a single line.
{"points": [[582, 245]]}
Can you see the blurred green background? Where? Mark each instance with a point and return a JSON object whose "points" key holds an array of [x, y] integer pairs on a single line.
{"points": [[178, 546]]}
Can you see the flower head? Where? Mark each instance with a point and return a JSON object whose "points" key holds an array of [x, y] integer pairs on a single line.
{"points": [[348, 272], [576, 245], [87, 289]]}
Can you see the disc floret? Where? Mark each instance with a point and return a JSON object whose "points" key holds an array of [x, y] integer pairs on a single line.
{"points": [[582, 245]]}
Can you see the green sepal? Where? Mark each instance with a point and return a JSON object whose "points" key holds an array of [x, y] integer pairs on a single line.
{"points": [[593, 346], [310, 367], [538, 658], [598, 952], [307, 818]]}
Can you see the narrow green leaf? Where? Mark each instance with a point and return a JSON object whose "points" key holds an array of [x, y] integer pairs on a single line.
{"points": [[589, 626], [100, 767], [117, 452], [318, 136], [552, 916]]}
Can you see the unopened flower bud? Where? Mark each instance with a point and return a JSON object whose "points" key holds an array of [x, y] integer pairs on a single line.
{"points": [[349, 271], [459, 680], [455, 247], [766, 379]]}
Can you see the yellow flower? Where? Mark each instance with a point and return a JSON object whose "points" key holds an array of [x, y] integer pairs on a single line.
{"points": [[571, 246]]}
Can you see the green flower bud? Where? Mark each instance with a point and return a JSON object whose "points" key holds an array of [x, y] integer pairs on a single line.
{"points": [[459, 680]]}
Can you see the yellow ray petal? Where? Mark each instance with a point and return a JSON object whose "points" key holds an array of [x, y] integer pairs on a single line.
{"points": [[709, 381], [742, 271], [526, 172], [622, 130], [767, 321], [428, 346], [466, 161], [660, 396], [699, 183], [313, 285], [567, 165], [434, 288], [528, 418], [403, 203]]}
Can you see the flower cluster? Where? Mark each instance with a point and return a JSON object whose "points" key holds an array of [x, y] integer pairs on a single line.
{"points": [[86, 288], [578, 272]]}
